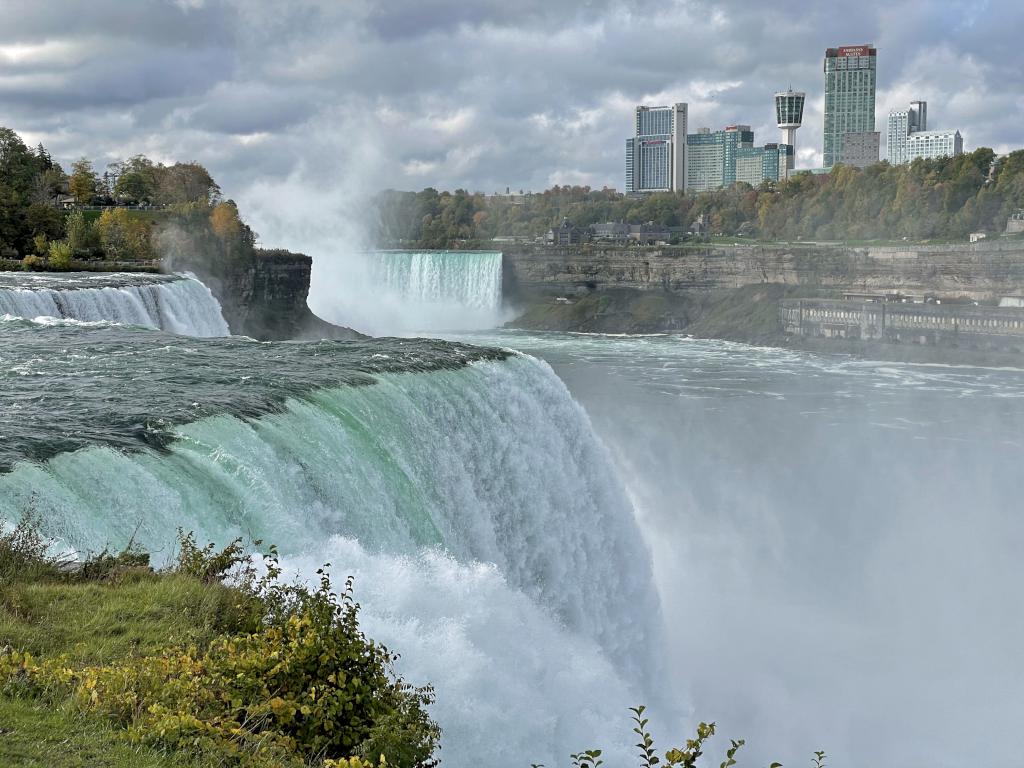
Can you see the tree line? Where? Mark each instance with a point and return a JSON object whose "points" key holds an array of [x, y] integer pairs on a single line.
{"points": [[42, 222], [941, 199]]}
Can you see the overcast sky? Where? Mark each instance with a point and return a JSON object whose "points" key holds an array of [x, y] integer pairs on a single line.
{"points": [[480, 94]]}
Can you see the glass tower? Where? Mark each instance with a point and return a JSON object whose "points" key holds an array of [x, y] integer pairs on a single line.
{"points": [[849, 96], [656, 155], [711, 157]]}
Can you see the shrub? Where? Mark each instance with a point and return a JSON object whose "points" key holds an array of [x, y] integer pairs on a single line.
{"points": [[60, 254], [303, 685], [24, 551]]}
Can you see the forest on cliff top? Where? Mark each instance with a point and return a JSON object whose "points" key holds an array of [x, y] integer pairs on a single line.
{"points": [[944, 199]]}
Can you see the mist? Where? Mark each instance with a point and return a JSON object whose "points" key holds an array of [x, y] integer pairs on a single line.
{"points": [[327, 213], [835, 543]]}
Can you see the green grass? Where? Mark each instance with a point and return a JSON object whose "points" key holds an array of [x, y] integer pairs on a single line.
{"points": [[131, 612], [137, 613], [33, 735]]}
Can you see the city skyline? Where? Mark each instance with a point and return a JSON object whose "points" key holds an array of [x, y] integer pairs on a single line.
{"points": [[480, 95]]}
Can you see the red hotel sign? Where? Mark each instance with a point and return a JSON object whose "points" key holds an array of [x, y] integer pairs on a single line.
{"points": [[854, 50]]}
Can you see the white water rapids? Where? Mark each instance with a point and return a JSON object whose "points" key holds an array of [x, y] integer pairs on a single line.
{"points": [[179, 305]]}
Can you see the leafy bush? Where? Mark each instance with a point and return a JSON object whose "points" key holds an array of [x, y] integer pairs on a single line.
{"points": [[24, 551], [302, 684], [60, 254]]}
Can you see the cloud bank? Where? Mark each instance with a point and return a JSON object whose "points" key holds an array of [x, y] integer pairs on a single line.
{"points": [[480, 95]]}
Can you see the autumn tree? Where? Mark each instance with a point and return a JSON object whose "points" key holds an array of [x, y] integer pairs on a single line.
{"points": [[124, 236], [186, 183], [83, 181], [81, 236]]}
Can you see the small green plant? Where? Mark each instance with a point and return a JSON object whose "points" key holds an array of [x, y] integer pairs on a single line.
{"points": [[587, 759], [819, 759], [60, 254], [678, 757], [24, 550], [208, 564]]}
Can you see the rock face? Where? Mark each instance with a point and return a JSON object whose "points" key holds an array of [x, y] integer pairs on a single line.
{"points": [[976, 271], [265, 297]]}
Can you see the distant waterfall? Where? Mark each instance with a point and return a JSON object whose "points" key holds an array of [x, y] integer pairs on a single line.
{"points": [[464, 278], [411, 292], [176, 304]]}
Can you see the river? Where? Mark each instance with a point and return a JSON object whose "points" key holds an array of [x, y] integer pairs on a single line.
{"points": [[836, 543], [812, 551]]}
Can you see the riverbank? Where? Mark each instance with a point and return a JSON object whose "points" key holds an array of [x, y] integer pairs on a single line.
{"points": [[749, 315], [108, 663]]}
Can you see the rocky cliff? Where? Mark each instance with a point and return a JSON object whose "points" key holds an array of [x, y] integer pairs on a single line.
{"points": [[264, 296], [977, 271]]}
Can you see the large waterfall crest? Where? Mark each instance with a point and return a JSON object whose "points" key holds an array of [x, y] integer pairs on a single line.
{"points": [[179, 304], [480, 493]]}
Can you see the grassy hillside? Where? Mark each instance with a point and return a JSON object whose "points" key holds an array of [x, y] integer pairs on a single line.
{"points": [[110, 663]]}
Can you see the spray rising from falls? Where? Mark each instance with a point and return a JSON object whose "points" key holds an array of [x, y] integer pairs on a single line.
{"points": [[399, 292], [492, 542], [176, 304]]}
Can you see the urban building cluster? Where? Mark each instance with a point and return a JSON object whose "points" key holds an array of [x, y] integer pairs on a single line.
{"points": [[908, 137], [662, 156]]}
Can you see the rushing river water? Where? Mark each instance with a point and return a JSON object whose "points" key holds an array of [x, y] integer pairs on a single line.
{"points": [[490, 539], [814, 552], [837, 544]]}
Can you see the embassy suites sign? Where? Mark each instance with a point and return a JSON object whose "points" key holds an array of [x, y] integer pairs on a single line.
{"points": [[850, 51]]}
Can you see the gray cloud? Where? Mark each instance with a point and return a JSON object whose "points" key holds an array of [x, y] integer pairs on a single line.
{"points": [[470, 94]]}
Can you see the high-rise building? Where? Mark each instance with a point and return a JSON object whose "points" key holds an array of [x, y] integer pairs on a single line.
{"points": [[860, 148], [896, 133], [902, 123], [756, 165], [711, 156], [789, 114], [918, 115], [908, 137], [656, 155], [931, 145], [849, 96]]}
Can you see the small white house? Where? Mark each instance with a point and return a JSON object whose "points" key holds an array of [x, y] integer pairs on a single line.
{"points": [[976, 236]]}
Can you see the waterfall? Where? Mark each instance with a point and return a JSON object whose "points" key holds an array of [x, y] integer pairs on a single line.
{"points": [[411, 292], [179, 304], [493, 544], [469, 279]]}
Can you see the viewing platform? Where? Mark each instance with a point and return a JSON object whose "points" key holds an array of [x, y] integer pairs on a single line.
{"points": [[878, 318]]}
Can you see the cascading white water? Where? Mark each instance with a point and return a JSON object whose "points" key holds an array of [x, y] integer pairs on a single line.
{"points": [[493, 543], [180, 305], [411, 292], [465, 278]]}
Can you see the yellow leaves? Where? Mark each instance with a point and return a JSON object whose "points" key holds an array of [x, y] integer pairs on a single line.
{"points": [[224, 220], [304, 685]]}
